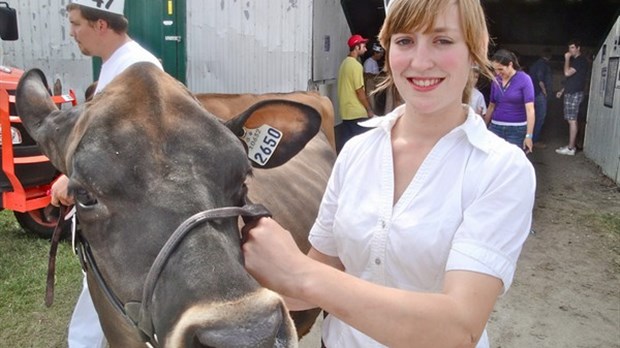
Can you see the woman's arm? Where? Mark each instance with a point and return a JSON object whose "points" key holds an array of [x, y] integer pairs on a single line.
{"points": [[489, 115], [528, 143], [298, 304], [397, 318]]}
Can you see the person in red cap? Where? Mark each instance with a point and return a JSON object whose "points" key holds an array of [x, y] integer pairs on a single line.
{"points": [[352, 100]]}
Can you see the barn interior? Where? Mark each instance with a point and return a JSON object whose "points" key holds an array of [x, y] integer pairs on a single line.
{"points": [[523, 26]]}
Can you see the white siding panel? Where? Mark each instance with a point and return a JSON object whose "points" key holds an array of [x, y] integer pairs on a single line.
{"points": [[602, 142], [44, 43], [250, 46], [330, 36]]}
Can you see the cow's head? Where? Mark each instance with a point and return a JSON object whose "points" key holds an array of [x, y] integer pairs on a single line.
{"points": [[142, 157]]}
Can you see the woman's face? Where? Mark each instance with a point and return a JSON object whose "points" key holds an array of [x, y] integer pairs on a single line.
{"points": [[431, 69], [503, 71]]}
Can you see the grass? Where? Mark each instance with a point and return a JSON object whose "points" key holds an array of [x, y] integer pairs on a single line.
{"points": [[611, 222], [606, 222], [26, 321], [609, 226]]}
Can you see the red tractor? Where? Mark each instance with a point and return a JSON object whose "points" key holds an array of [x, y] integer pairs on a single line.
{"points": [[27, 175]]}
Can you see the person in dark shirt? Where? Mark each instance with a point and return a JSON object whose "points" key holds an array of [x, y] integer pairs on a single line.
{"points": [[575, 71], [540, 72]]}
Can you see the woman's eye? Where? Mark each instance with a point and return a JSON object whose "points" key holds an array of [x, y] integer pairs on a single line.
{"points": [[403, 41], [84, 198], [444, 41]]}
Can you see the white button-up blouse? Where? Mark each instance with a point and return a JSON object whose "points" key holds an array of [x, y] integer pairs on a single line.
{"points": [[469, 207]]}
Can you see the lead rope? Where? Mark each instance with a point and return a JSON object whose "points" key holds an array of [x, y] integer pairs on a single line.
{"points": [[51, 264]]}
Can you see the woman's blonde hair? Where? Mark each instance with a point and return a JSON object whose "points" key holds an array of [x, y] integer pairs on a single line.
{"points": [[415, 15]]}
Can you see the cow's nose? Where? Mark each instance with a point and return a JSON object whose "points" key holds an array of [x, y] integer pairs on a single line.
{"points": [[256, 332], [258, 320]]}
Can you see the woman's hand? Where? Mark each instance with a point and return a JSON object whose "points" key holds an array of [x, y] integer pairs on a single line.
{"points": [[272, 257], [528, 145]]}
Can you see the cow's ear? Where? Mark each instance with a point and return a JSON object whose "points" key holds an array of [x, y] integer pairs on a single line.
{"points": [[274, 131], [47, 125]]}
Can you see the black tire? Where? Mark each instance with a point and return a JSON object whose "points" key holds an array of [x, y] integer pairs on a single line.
{"points": [[41, 222]]}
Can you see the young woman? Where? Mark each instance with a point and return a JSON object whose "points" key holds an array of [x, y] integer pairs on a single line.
{"points": [[511, 104], [425, 215]]}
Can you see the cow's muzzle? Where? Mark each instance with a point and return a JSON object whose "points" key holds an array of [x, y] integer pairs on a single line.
{"points": [[139, 314], [259, 320]]}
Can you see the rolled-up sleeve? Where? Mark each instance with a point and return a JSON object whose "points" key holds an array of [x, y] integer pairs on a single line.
{"points": [[497, 222], [321, 235]]}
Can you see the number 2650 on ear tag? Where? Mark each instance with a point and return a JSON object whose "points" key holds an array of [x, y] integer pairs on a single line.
{"points": [[262, 143]]}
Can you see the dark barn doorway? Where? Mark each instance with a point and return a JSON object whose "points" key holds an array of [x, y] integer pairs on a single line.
{"points": [[515, 22]]}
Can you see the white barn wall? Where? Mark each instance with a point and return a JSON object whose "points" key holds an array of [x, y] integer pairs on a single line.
{"points": [[330, 35], [330, 25], [602, 141], [251, 46], [44, 43]]}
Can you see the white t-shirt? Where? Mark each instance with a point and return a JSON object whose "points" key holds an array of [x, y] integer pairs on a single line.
{"points": [[126, 55], [477, 102], [371, 66], [469, 207]]}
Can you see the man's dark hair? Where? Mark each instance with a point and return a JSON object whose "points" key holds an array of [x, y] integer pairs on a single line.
{"points": [[116, 22], [575, 42]]}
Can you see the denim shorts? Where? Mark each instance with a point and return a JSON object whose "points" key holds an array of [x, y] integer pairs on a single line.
{"points": [[512, 134]]}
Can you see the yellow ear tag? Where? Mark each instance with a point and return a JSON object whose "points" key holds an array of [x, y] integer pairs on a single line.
{"points": [[262, 143]]}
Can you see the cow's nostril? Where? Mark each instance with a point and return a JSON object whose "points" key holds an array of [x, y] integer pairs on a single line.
{"points": [[257, 332]]}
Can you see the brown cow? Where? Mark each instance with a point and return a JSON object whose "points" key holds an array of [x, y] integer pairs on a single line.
{"points": [[227, 106], [230, 105], [159, 184]]}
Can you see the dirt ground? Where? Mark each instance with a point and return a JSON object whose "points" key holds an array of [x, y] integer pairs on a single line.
{"points": [[566, 292]]}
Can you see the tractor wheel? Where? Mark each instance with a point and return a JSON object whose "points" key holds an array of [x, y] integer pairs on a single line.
{"points": [[41, 222]]}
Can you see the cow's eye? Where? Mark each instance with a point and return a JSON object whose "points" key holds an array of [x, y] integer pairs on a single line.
{"points": [[244, 194], [84, 198]]}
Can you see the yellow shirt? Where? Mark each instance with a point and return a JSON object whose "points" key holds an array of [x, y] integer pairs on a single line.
{"points": [[350, 79]]}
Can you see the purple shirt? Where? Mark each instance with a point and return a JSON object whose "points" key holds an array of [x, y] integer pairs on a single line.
{"points": [[510, 101]]}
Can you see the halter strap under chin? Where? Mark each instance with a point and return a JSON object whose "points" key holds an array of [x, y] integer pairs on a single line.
{"points": [[138, 313]]}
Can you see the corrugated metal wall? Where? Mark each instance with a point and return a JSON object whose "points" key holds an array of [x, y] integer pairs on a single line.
{"points": [[250, 46], [44, 43], [330, 35], [602, 142]]}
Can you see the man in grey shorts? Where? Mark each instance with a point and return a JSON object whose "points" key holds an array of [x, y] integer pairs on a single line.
{"points": [[575, 70]]}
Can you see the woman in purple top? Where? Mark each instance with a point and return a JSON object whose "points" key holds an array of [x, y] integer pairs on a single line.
{"points": [[511, 103]]}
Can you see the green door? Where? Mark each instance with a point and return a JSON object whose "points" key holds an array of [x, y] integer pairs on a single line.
{"points": [[159, 26]]}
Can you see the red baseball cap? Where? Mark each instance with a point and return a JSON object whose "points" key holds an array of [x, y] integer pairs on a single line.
{"points": [[356, 39]]}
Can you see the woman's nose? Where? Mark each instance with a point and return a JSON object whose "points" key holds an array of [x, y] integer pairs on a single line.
{"points": [[422, 57]]}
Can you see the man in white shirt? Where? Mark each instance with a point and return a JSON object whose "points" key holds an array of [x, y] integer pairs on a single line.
{"points": [[371, 74], [100, 30], [476, 100], [371, 64]]}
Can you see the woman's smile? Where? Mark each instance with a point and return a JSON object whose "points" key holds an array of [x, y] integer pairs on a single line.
{"points": [[424, 83]]}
